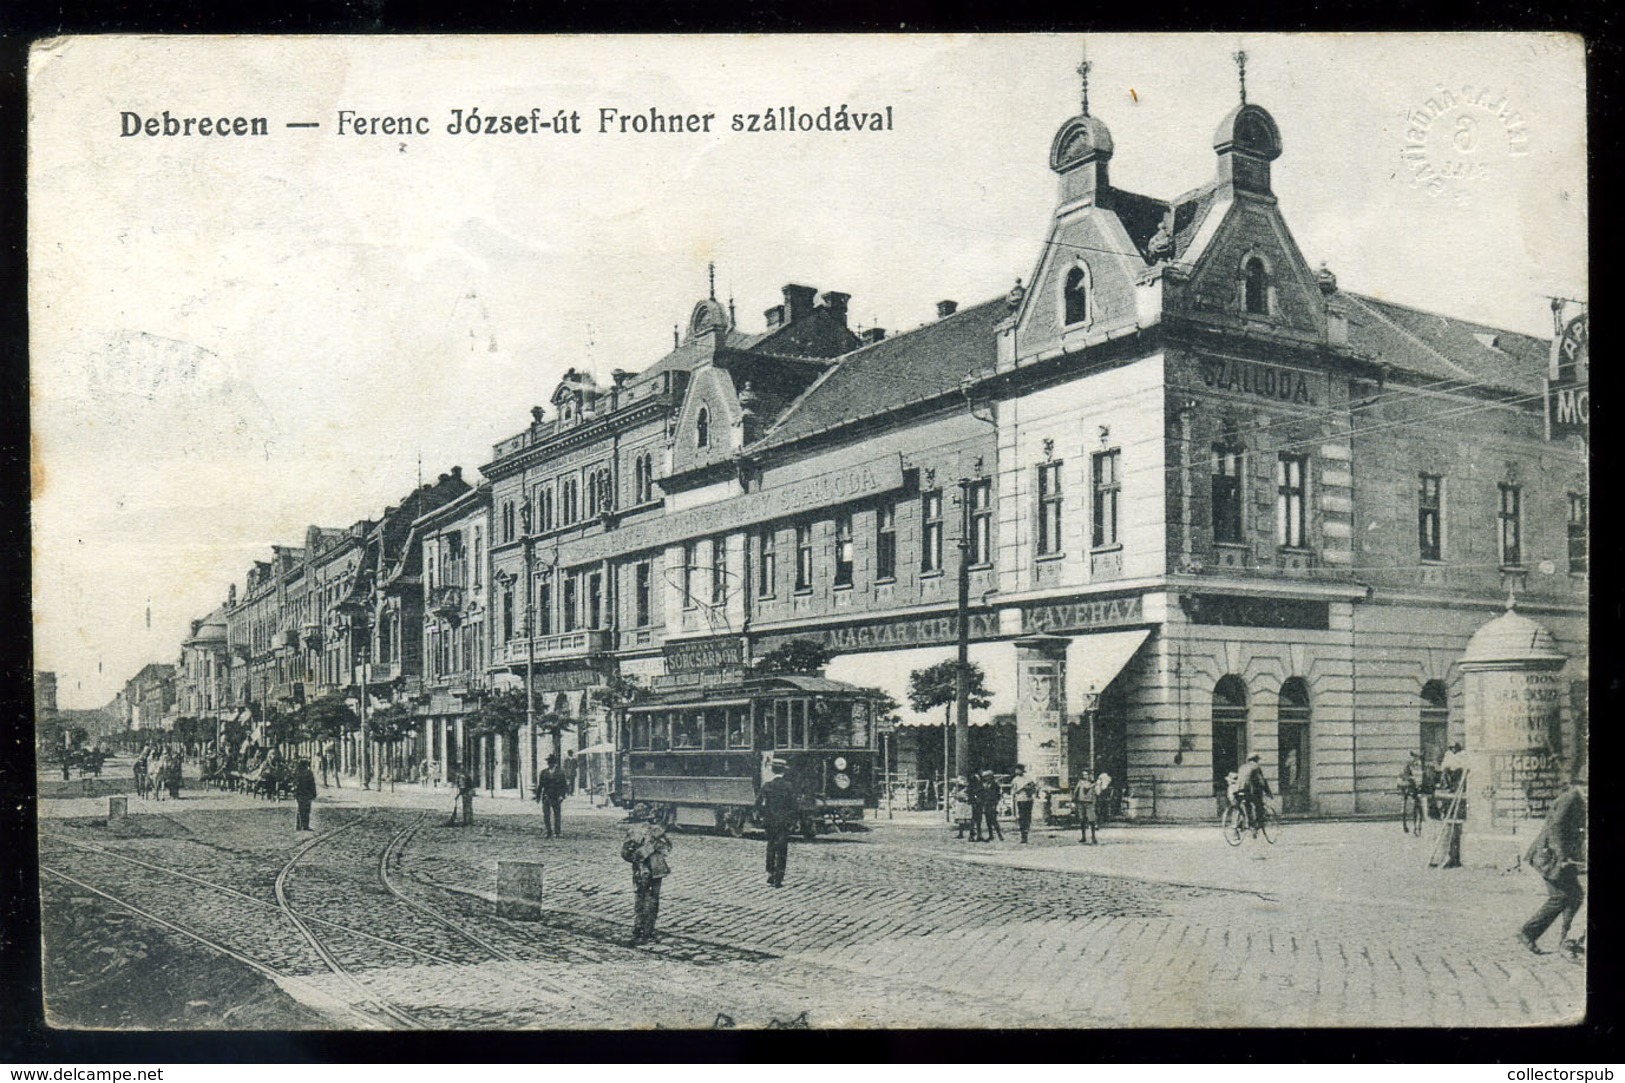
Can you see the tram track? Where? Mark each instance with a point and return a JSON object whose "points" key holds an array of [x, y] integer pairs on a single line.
{"points": [[236, 893]]}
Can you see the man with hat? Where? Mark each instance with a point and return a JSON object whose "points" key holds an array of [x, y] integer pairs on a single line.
{"points": [[552, 786], [1251, 789], [776, 807]]}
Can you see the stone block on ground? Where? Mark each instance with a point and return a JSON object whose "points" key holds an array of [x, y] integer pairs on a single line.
{"points": [[519, 890], [118, 808]]}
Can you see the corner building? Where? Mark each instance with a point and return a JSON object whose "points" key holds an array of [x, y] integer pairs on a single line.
{"points": [[1211, 503]]}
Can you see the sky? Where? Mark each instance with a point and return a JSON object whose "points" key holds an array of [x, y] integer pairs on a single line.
{"points": [[235, 338]]}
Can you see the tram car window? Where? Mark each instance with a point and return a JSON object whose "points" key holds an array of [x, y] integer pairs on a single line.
{"points": [[685, 731], [660, 733]]}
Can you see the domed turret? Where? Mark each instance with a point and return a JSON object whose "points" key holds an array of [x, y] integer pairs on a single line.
{"points": [[1247, 141], [1512, 637], [1081, 149]]}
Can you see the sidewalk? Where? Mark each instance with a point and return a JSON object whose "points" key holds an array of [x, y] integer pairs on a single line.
{"points": [[1360, 862]]}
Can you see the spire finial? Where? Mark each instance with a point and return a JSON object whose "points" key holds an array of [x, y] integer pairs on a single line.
{"points": [[1083, 79], [712, 271], [1241, 72]]}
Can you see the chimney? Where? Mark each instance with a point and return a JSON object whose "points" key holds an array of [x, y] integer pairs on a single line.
{"points": [[873, 335], [774, 316], [836, 303], [457, 473], [798, 302], [946, 308], [443, 479]]}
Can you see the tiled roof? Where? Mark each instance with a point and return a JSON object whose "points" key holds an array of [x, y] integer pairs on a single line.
{"points": [[1445, 348], [1190, 211], [895, 372]]}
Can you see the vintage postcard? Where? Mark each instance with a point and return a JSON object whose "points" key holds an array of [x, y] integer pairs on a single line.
{"points": [[835, 532]]}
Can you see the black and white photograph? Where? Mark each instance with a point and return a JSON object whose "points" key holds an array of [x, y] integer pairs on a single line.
{"points": [[834, 532]]}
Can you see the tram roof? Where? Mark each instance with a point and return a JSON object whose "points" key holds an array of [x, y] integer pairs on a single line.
{"points": [[735, 692]]}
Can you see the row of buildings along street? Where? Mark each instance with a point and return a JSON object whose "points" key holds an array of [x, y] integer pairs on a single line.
{"points": [[1188, 498]]}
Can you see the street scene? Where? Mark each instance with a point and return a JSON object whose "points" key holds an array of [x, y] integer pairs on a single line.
{"points": [[524, 602], [386, 917]]}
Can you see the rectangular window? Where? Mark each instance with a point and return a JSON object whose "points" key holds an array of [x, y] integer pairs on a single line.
{"points": [[507, 613], [719, 571], [1108, 485], [595, 495], [571, 500], [595, 600], [931, 531], [572, 593], [1049, 509], [1291, 509], [1430, 517], [804, 557], [843, 550], [886, 541], [1228, 462], [642, 577], [544, 500], [767, 566], [1510, 519], [544, 608], [1579, 535], [689, 558], [981, 522], [479, 553]]}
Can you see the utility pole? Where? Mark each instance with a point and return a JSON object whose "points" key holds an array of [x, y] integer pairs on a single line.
{"points": [[529, 759], [962, 670]]}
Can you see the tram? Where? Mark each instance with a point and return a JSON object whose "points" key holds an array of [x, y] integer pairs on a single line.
{"points": [[698, 757]]}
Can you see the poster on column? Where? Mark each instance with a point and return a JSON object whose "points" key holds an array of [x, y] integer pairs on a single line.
{"points": [[739, 376]]}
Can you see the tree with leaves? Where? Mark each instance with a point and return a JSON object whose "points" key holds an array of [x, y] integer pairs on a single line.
{"points": [[935, 686], [801, 657], [330, 717]]}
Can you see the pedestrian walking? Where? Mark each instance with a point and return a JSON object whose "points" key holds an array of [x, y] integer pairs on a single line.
{"points": [[646, 847], [1103, 798], [1559, 855], [465, 797], [570, 772], [959, 807], [1453, 773], [1083, 800], [973, 798], [991, 795], [304, 792], [552, 785], [322, 761], [1024, 789], [776, 807]]}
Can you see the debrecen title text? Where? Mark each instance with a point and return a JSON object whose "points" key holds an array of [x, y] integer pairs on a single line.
{"points": [[474, 121]]}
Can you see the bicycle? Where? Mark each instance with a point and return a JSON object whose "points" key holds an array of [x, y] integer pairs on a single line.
{"points": [[1412, 811], [1236, 823]]}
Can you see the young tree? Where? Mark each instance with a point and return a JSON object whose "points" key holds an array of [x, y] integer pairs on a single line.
{"points": [[330, 717], [934, 686], [803, 657], [391, 725]]}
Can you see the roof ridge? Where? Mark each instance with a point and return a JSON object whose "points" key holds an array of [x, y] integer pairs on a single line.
{"points": [[1365, 297], [1366, 303]]}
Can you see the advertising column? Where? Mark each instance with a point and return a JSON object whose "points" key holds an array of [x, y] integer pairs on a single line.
{"points": [[1040, 684], [1515, 741]]}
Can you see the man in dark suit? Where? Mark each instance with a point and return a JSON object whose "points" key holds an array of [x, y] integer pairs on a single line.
{"points": [[1558, 854], [776, 806], [552, 786], [304, 792]]}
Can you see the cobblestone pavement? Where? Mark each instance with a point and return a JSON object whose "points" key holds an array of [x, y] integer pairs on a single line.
{"points": [[898, 926]]}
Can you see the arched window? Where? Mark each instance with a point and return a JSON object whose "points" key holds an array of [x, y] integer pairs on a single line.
{"points": [[1292, 743], [1075, 294], [702, 428], [1229, 728], [1255, 287], [1435, 721]]}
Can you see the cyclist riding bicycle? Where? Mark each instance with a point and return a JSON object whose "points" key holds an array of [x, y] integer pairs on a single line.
{"points": [[1250, 789], [1412, 784]]}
